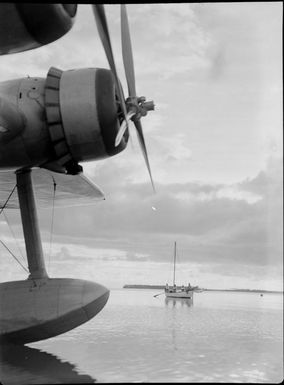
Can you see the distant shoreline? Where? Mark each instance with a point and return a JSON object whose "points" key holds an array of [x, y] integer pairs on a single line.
{"points": [[161, 287]]}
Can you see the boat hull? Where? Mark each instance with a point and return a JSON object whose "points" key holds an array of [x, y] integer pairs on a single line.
{"points": [[179, 294], [33, 310]]}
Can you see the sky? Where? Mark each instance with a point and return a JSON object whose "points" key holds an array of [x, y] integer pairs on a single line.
{"points": [[214, 71]]}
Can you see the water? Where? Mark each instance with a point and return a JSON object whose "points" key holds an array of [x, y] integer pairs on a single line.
{"points": [[220, 337]]}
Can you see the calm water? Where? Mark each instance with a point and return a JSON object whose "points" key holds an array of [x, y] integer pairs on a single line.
{"points": [[220, 337]]}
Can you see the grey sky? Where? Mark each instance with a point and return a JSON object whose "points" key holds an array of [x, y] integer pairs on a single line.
{"points": [[214, 71]]}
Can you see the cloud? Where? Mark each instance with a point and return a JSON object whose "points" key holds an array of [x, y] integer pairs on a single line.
{"points": [[217, 229], [214, 141], [213, 222]]}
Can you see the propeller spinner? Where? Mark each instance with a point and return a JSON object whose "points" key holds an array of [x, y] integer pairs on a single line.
{"points": [[133, 108]]}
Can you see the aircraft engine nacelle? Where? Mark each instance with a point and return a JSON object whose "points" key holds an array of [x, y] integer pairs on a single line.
{"points": [[82, 115], [25, 26], [56, 123]]}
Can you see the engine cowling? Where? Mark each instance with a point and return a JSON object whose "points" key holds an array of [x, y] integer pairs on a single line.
{"points": [[25, 26], [56, 123], [83, 116]]}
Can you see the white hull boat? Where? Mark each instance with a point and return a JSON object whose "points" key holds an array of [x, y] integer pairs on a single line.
{"points": [[178, 292]]}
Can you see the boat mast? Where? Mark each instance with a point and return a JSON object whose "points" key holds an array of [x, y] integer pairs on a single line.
{"points": [[175, 252], [30, 224]]}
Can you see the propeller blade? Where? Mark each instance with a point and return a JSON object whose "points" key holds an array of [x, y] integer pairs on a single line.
{"points": [[143, 147], [127, 52], [100, 17], [123, 127]]}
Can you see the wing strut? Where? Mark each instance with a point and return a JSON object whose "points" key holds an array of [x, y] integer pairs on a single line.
{"points": [[30, 225]]}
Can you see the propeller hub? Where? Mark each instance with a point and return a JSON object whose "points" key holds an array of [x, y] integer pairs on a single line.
{"points": [[139, 106], [149, 106]]}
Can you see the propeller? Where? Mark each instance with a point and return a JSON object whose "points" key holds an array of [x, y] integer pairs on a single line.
{"points": [[133, 108], [100, 17]]}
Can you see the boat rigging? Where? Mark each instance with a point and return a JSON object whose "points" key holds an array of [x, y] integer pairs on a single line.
{"points": [[181, 291]]}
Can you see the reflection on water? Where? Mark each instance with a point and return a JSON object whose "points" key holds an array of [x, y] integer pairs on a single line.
{"points": [[169, 301], [20, 364], [142, 337], [173, 303]]}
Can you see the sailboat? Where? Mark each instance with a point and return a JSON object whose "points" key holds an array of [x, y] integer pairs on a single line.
{"points": [[181, 291]]}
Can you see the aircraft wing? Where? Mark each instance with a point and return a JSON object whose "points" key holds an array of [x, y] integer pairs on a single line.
{"points": [[70, 190]]}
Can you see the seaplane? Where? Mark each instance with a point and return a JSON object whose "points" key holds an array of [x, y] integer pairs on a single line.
{"points": [[48, 127]]}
